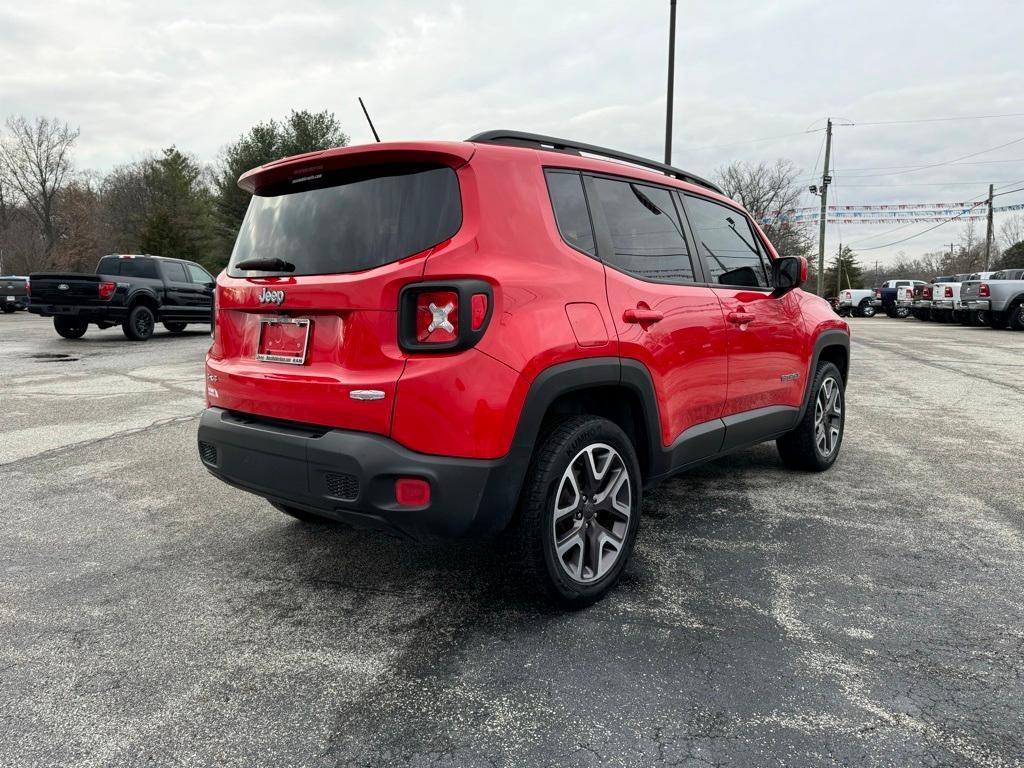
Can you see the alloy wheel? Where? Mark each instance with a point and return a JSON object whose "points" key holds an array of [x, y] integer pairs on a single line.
{"points": [[593, 504], [828, 416]]}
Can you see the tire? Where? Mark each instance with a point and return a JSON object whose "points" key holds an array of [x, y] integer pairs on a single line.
{"points": [[70, 327], [939, 316], [805, 448], [140, 323], [959, 316], [175, 327], [922, 315], [301, 515], [9, 309], [980, 317], [578, 456], [996, 320], [902, 313], [1015, 317], [865, 309]]}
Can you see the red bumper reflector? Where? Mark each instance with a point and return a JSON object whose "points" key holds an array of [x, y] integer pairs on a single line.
{"points": [[412, 492]]}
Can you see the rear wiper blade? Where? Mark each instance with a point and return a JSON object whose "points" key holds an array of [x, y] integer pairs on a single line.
{"points": [[266, 265]]}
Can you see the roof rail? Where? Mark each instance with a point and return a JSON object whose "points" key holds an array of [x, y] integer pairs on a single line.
{"points": [[538, 141]]}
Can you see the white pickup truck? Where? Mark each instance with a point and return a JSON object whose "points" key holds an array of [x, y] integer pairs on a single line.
{"points": [[947, 304], [998, 299], [857, 302]]}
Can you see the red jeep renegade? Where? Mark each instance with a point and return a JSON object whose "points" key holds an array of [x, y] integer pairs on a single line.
{"points": [[512, 332]]}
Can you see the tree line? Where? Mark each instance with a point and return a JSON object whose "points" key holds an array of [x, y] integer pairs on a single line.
{"points": [[55, 217]]}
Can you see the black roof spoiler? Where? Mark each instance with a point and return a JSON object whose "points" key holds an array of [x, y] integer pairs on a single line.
{"points": [[537, 141]]}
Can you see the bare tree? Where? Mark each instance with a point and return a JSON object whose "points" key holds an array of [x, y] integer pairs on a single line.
{"points": [[36, 159], [1012, 231], [768, 191]]}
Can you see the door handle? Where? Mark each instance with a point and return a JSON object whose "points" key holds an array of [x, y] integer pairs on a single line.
{"points": [[740, 318], [642, 316]]}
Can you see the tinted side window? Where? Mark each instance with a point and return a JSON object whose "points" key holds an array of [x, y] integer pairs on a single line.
{"points": [[109, 265], [647, 235], [198, 274], [570, 206], [175, 272], [726, 244], [138, 268]]}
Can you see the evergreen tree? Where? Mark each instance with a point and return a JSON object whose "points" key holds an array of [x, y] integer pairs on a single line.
{"points": [[301, 132], [177, 222], [852, 275], [1012, 258]]}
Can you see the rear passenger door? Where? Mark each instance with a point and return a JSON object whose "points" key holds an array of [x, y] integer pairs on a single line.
{"points": [[203, 283], [664, 317], [180, 300], [765, 332]]}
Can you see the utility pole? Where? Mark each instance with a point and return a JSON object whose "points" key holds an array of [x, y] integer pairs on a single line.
{"points": [[839, 270], [671, 80], [988, 231], [825, 181]]}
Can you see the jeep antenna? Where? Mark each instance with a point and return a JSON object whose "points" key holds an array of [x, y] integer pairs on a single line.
{"points": [[375, 136]]}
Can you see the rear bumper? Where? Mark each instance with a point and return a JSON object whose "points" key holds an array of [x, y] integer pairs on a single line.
{"points": [[942, 304], [350, 476], [976, 304], [99, 314]]}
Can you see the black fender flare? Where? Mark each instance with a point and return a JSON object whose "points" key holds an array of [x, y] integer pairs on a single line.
{"points": [[550, 384], [140, 294], [831, 337]]}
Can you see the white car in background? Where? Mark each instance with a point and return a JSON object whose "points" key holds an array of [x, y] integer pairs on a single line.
{"points": [[857, 302]]}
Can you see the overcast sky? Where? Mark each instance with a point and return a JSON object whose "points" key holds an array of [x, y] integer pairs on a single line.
{"points": [[136, 77]]}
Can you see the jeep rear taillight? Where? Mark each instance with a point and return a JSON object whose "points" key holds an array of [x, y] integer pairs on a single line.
{"points": [[983, 290], [949, 291], [443, 317], [437, 317], [106, 290]]}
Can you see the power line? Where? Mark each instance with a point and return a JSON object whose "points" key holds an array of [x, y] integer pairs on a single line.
{"points": [[941, 119], [925, 231], [903, 167], [915, 169]]}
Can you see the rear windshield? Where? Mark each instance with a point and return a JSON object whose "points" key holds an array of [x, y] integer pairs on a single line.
{"points": [[349, 221]]}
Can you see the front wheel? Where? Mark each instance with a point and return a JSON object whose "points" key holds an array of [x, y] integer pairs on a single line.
{"points": [[814, 444], [175, 327], [70, 327], [866, 310], [579, 511], [140, 323]]}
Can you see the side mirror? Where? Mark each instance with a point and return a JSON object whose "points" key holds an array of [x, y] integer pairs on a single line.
{"points": [[788, 273]]}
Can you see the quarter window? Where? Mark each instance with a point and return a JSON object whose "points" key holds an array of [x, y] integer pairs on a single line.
{"points": [[727, 244], [175, 272], [198, 275], [570, 206], [646, 231]]}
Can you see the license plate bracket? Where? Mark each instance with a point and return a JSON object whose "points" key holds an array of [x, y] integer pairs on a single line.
{"points": [[283, 340]]}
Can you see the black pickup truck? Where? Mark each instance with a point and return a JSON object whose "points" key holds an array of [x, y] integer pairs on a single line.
{"points": [[13, 293], [134, 291]]}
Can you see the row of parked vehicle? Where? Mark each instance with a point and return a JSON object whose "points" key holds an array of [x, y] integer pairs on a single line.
{"points": [[995, 299]]}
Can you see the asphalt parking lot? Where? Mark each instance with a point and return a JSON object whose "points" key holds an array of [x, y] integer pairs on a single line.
{"points": [[872, 615]]}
